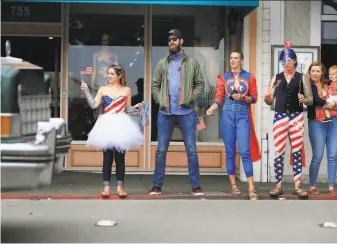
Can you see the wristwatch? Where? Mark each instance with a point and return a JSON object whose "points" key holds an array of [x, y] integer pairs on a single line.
{"points": [[244, 98]]}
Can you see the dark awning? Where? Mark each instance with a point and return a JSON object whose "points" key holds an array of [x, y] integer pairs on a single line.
{"points": [[247, 3]]}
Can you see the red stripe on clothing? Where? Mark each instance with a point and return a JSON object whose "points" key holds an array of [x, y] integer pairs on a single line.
{"points": [[115, 104]]}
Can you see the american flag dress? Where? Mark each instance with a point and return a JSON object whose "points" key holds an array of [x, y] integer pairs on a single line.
{"points": [[115, 129]]}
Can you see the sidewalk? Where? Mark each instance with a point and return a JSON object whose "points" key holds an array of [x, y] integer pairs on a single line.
{"points": [[88, 185]]}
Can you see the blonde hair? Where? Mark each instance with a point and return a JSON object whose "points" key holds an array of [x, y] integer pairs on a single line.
{"points": [[334, 67]]}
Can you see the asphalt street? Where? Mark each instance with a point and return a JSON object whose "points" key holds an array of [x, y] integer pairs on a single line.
{"points": [[167, 221]]}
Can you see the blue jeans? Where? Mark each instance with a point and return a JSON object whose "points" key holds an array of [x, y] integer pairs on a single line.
{"points": [[322, 134], [234, 127], [187, 124]]}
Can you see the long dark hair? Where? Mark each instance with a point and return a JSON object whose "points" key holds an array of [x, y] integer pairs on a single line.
{"points": [[120, 71]]}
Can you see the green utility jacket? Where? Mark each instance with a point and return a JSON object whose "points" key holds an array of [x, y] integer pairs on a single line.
{"points": [[192, 82]]}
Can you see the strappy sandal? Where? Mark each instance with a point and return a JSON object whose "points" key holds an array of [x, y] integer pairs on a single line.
{"points": [[121, 194], [300, 192], [332, 192], [276, 192], [313, 191], [235, 190], [106, 192], [252, 195]]}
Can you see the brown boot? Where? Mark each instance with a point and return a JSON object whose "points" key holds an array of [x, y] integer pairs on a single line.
{"points": [[276, 192], [300, 192]]}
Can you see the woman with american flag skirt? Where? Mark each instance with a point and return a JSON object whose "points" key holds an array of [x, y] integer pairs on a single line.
{"points": [[114, 131]]}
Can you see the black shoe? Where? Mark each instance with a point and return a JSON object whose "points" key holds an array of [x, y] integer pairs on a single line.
{"points": [[197, 191], [156, 190], [326, 120]]}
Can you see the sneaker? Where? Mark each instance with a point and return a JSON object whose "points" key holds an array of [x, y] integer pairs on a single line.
{"points": [[197, 191], [326, 120], [156, 190]]}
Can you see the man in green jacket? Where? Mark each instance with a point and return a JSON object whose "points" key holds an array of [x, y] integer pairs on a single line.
{"points": [[177, 83]]}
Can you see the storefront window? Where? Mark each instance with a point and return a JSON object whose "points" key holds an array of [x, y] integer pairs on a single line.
{"points": [[329, 31], [100, 34], [329, 7], [207, 38], [46, 54]]}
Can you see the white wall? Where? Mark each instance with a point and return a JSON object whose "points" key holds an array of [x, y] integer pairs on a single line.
{"points": [[263, 75], [297, 22]]}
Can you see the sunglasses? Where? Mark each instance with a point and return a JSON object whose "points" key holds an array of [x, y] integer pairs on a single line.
{"points": [[172, 39], [288, 61]]}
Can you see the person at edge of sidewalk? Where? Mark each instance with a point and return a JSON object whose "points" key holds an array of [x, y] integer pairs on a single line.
{"points": [[114, 131], [291, 90], [333, 95], [236, 91], [177, 83], [322, 135]]}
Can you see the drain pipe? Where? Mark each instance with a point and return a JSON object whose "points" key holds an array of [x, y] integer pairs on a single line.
{"points": [[265, 159]]}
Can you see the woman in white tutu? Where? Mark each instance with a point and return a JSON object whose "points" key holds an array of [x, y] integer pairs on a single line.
{"points": [[115, 132]]}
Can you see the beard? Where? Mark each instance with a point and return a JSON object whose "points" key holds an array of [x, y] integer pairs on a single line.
{"points": [[173, 49]]}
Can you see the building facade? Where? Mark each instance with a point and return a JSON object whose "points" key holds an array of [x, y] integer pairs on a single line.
{"points": [[83, 38]]}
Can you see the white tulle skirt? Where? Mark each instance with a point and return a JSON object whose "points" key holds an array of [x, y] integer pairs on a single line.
{"points": [[115, 131]]}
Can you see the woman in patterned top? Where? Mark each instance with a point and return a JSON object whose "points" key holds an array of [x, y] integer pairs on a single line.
{"points": [[322, 134]]}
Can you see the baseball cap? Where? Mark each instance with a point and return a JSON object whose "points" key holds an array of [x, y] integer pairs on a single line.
{"points": [[176, 32]]}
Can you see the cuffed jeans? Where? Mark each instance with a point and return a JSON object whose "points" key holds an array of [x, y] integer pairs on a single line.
{"points": [[322, 134], [234, 127], [187, 124], [108, 157]]}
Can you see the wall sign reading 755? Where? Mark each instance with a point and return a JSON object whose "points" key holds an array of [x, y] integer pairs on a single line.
{"points": [[30, 12], [20, 11]]}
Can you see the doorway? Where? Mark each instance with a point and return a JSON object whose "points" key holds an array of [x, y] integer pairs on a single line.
{"points": [[44, 52], [329, 57]]}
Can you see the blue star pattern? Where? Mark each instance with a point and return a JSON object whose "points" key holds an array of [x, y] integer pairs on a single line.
{"points": [[294, 115], [295, 123], [297, 165], [242, 89], [278, 168], [278, 116]]}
